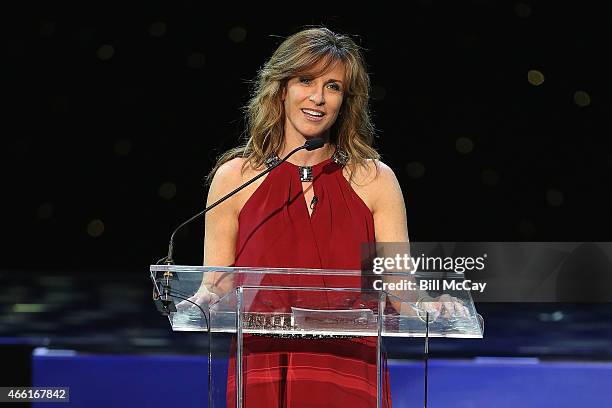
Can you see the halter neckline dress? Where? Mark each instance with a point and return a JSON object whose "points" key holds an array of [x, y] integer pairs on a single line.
{"points": [[276, 230]]}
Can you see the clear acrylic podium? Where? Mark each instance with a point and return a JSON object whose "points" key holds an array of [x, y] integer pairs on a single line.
{"points": [[296, 303]]}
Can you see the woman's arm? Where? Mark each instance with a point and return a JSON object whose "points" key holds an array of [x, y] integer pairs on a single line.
{"points": [[220, 230], [221, 226], [390, 225], [388, 208]]}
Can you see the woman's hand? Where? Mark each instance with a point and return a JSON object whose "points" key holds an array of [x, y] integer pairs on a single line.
{"points": [[203, 298], [445, 305]]}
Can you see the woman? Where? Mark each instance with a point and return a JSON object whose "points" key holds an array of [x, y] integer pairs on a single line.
{"points": [[313, 211]]}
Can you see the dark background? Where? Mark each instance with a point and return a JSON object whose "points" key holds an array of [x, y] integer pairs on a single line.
{"points": [[114, 114]]}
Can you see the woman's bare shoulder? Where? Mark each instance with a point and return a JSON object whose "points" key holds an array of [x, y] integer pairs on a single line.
{"points": [[234, 171], [231, 175], [371, 180], [228, 177], [372, 173], [228, 172]]}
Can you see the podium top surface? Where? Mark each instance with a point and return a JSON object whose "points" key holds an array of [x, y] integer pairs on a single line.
{"points": [[195, 271], [300, 301]]}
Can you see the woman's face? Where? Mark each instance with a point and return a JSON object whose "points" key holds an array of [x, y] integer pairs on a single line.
{"points": [[312, 103]]}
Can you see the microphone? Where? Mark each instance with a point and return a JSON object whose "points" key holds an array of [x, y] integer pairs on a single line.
{"points": [[311, 144]]}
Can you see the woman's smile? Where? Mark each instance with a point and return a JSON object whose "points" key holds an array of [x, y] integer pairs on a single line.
{"points": [[313, 115]]}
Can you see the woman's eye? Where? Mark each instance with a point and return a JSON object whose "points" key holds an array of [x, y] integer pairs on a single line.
{"points": [[305, 80], [334, 86]]}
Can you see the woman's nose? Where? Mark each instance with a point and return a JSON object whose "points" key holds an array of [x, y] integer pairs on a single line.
{"points": [[317, 98]]}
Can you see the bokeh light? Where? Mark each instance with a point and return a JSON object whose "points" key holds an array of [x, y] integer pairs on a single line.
{"points": [[167, 190], [554, 197], [415, 169], [95, 228], [464, 145], [489, 177], [582, 99], [535, 77], [157, 29], [237, 34], [105, 52]]}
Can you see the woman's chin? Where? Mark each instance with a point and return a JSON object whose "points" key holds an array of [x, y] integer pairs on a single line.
{"points": [[314, 135]]}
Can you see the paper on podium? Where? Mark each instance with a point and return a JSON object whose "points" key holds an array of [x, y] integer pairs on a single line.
{"points": [[313, 319]]}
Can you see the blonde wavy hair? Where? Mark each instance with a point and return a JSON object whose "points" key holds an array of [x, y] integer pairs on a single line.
{"points": [[353, 131]]}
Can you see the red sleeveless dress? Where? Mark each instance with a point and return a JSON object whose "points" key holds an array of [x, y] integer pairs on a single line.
{"points": [[276, 230]]}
